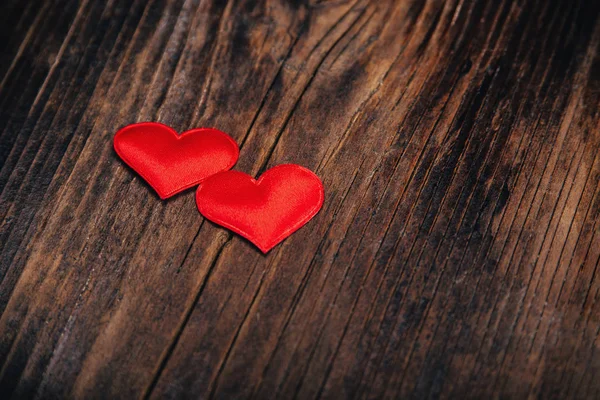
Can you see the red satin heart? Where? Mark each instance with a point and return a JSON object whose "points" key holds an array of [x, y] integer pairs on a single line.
{"points": [[171, 163], [264, 211]]}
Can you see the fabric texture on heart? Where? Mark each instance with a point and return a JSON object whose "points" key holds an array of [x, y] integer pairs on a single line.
{"points": [[264, 211], [171, 163]]}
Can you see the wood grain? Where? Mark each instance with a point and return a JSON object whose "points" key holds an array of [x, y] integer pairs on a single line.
{"points": [[456, 254]]}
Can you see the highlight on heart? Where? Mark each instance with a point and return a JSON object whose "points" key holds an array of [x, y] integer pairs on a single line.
{"points": [[265, 211]]}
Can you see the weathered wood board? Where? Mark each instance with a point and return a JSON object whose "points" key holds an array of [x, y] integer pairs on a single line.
{"points": [[457, 251]]}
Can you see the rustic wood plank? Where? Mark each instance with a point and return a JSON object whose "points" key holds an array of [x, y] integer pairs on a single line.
{"points": [[456, 253]]}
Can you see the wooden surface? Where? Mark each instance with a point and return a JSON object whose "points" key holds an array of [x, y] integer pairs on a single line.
{"points": [[457, 251]]}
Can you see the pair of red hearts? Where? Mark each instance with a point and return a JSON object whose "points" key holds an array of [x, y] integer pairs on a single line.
{"points": [[264, 211]]}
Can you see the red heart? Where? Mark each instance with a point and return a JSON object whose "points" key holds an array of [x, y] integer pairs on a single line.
{"points": [[264, 211], [171, 163]]}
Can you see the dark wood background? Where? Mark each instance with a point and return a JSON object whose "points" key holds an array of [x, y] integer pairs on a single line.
{"points": [[457, 251]]}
